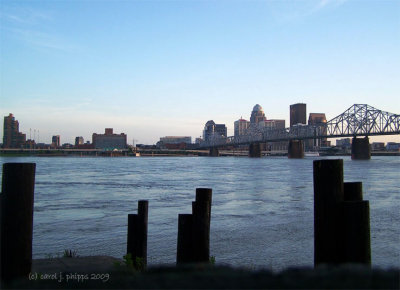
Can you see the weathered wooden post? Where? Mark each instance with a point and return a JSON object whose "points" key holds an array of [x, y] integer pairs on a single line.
{"points": [[201, 224], [137, 234], [185, 251], [352, 191], [194, 230], [355, 222], [18, 183], [328, 193]]}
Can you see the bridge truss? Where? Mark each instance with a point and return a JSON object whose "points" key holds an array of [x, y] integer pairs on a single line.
{"points": [[358, 120]]}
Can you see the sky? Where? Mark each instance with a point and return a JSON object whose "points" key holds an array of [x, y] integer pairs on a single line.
{"points": [[164, 68]]}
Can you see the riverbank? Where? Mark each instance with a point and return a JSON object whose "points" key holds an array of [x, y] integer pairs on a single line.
{"points": [[156, 153], [102, 272]]}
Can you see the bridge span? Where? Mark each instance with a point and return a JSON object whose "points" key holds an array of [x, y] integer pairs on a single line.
{"points": [[360, 120]]}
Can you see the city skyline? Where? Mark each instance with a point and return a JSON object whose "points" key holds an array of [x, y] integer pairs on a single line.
{"points": [[152, 69]]}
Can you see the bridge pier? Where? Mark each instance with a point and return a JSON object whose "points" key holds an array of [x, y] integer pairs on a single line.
{"points": [[255, 150], [296, 149], [213, 152], [360, 149]]}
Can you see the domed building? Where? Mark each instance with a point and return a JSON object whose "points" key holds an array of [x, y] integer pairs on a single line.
{"points": [[211, 130], [257, 115]]}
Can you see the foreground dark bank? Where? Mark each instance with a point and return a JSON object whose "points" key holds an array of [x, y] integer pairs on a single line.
{"points": [[103, 273]]}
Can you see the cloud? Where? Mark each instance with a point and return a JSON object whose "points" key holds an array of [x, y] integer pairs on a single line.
{"points": [[323, 4], [293, 11], [31, 27], [41, 39], [24, 16]]}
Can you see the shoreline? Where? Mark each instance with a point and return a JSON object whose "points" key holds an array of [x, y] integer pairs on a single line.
{"points": [[171, 154], [101, 272]]}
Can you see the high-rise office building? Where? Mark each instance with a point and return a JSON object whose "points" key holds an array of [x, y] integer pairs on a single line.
{"points": [[55, 141], [317, 119], [79, 140], [12, 138], [221, 130], [257, 115], [298, 114], [208, 131], [109, 140], [212, 130], [240, 127], [275, 124]]}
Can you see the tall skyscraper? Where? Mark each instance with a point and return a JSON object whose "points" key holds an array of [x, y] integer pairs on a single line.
{"points": [[214, 130], [298, 114], [317, 119], [12, 138], [79, 140], [275, 124], [240, 127], [257, 115], [55, 141]]}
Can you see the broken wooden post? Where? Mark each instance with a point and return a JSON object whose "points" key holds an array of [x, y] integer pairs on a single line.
{"points": [[194, 230], [18, 183], [137, 235], [201, 224], [354, 213], [184, 253], [328, 193]]}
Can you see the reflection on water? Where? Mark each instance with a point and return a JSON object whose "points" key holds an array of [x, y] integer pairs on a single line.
{"points": [[262, 213]]}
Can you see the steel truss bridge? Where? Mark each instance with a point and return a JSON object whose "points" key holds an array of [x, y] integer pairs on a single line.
{"points": [[358, 120]]}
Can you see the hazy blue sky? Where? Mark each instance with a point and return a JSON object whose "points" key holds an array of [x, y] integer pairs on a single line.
{"points": [[157, 68]]}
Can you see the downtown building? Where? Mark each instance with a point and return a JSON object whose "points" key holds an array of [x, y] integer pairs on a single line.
{"points": [[240, 127], [12, 138], [260, 121], [276, 124], [79, 141], [298, 114], [257, 116], [212, 130], [174, 142], [55, 141], [109, 140], [317, 119]]}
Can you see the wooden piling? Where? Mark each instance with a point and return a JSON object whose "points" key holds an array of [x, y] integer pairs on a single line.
{"points": [[352, 191], [143, 208], [185, 251], [132, 247], [201, 224], [328, 193], [355, 226], [17, 197], [137, 234]]}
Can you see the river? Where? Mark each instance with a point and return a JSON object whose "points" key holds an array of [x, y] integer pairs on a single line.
{"points": [[262, 209]]}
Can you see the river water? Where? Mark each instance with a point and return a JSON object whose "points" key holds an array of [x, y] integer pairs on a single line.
{"points": [[262, 209]]}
